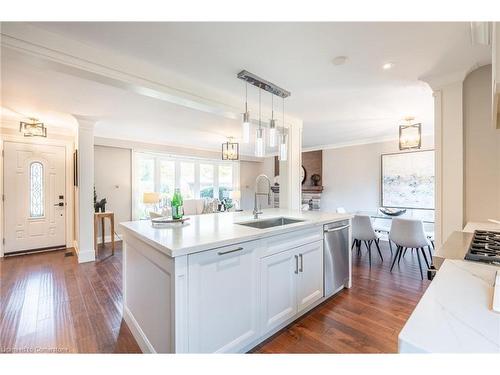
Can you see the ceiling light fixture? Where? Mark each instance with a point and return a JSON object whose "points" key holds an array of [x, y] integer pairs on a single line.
{"points": [[410, 135], [230, 149], [259, 140], [246, 119], [272, 125], [34, 128], [262, 84], [388, 65], [283, 149]]}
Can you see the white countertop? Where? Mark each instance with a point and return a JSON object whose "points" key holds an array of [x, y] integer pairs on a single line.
{"points": [[454, 315], [203, 232]]}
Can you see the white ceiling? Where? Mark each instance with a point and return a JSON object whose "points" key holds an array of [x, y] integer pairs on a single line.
{"points": [[338, 104]]}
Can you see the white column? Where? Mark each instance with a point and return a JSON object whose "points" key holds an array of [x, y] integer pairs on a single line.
{"points": [[290, 183], [448, 128], [85, 190]]}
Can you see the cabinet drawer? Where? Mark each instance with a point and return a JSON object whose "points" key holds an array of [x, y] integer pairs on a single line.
{"points": [[290, 240]]}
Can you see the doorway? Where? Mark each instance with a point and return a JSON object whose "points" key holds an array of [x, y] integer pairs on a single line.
{"points": [[34, 197]]}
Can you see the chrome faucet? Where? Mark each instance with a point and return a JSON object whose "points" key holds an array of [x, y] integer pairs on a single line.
{"points": [[256, 211]]}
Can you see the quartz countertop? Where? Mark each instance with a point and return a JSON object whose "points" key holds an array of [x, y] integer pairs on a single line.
{"points": [[455, 315], [204, 232]]}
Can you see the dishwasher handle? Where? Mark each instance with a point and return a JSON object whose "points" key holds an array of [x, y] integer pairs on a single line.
{"points": [[336, 229]]}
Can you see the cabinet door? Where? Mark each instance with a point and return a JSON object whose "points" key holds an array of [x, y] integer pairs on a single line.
{"points": [[278, 288], [223, 295], [310, 277]]}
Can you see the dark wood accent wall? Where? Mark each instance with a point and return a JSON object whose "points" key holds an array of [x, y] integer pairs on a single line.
{"points": [[312, 162]]}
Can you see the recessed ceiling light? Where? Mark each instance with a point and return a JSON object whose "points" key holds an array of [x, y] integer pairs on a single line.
{"points": [[340, 60], [388, 65]]}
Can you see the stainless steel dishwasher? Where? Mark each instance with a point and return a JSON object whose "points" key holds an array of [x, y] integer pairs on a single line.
{"points": [[336, 256]]}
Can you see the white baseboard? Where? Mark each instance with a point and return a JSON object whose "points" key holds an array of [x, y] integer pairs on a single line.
{"points": [[137, 332], [84, 256]]}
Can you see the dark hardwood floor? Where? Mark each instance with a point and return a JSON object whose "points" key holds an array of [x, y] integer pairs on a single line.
{"points": [[50, 303], [364, 319]]}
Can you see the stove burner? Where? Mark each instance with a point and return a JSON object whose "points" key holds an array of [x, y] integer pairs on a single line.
{"points": [[485, 247]]}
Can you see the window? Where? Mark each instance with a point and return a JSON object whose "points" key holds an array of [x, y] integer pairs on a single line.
{"points": [[206, 181], [167, 178], [187, 180], [225, 181], [36, 190], [196, 178]]}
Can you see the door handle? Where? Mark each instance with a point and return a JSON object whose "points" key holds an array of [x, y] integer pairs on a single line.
{"points": [[60, 204], [301, 269], [296, 264]]}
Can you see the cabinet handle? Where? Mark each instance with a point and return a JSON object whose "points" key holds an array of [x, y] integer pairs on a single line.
{"points": [[301, 269], [229, 251], [296, 264]]}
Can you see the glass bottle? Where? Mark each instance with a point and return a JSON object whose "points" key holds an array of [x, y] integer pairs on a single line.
{"points": [[177, 205]]}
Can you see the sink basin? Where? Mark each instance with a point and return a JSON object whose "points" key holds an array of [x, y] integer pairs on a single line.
{"points": [[269, 223]]}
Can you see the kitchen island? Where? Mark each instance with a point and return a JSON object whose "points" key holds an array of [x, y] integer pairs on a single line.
{"points": [[223, 282]]}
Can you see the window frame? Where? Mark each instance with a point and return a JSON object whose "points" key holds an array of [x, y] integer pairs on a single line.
{"points": [[42, 189], [178, 159]]}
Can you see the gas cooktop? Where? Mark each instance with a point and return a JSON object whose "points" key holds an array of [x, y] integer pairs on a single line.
{"points": [[485, 247]]}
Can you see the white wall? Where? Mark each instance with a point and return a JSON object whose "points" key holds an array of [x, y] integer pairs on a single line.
{"points": [[481, 149], [112, 178], [351, 175]]}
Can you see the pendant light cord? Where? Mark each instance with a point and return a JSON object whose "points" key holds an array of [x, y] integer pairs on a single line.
{"points": [[260, 91]]}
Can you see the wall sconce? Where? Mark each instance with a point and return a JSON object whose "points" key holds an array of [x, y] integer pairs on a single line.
{"points": [[410, 136], [230, 150]]}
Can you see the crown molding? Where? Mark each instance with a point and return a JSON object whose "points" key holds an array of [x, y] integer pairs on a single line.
{"points": [[360, 142]]}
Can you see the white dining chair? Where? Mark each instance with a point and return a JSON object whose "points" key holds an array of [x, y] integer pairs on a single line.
{"points": [[341, 210], [409, 234], [362, 231]]}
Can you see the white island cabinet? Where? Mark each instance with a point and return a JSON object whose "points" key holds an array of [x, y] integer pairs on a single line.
{"points": [[223, 296]]}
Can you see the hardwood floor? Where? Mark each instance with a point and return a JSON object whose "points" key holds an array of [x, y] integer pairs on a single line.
{"points": [[364, 319], [50, 303]]}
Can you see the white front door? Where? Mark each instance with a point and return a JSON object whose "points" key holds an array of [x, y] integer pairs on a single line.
{"points": [[35, 196]]}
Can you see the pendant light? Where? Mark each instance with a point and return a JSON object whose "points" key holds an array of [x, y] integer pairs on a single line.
{"points": [[230, 150], [259, 140], [246, 119], [272, 125], [410, 135], [283, 149]]}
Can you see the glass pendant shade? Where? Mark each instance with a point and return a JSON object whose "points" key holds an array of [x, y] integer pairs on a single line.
{"points": [[246, 127], [272, 133], [283, 148], [259, 143]]}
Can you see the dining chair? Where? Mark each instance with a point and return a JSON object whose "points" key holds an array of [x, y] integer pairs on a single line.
{"points": [[362, 231], [409, 234], [379, 227]]}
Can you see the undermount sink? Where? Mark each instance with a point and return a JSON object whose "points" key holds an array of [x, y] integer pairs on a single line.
{"points": [[269, 223]]}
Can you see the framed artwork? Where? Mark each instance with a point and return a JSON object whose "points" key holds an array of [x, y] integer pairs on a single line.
{"points": [[408, 180]]}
